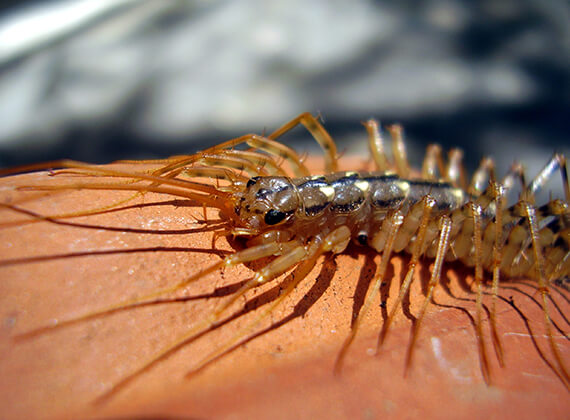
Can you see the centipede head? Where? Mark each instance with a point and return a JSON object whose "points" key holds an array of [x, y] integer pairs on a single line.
{"points": [[266, 202]]}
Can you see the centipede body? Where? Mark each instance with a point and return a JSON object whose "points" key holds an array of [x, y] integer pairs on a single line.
{"points": [[329, 266]]}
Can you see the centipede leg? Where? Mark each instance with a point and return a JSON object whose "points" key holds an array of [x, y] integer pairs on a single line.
{"points": [[293, 256], [317, 130], [247, 255], [427, 206], [497, 257], [556, 162], [336, 240], [432, 166], [442, 247], [481, 176], [530, 215], [383, 241], [476, 213], [399, 150], [376, 145]]}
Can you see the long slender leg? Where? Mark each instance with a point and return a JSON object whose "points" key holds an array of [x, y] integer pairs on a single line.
{"points": [[268, 145], [480, 178], [390, 227], [247, 255], [497, 257], [428, 204], [476, 213], [454, 172], [399, 150], [442, 247], [530, 215], [275, 268], [335, 240], [432, 166], [376, 145], [556, 162], [316, 129], [282, 151]]}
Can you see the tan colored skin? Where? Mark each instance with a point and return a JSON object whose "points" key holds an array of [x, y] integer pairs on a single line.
{"points": [[286, 373]]}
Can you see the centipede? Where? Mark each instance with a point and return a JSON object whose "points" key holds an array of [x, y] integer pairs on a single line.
{"points": [[270, 228]]}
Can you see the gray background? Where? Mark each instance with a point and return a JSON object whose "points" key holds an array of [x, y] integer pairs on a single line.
{"points": [[100, 80]]}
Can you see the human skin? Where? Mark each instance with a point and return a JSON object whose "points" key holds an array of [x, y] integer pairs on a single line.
{"points": [[55, 271]]}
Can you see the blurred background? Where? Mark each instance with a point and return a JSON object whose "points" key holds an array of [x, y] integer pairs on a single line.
{"points": [[100, 80]]}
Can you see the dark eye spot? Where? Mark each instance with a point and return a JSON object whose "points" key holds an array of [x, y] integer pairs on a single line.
{"points": [[362, 239], [272, 217]]}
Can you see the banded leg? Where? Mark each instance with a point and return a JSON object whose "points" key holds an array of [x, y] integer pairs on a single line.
{"points": [[487, 191], [399, 150], [267, 145], [253, 253], [454, 172], [442, 247], [543, 288], [376, 145], [481, 177], [476, 214], [383, 242], [498, 243], [281, 264], [336, 240], [556, 162], [418, 245], [318, 132], [432, 167]]}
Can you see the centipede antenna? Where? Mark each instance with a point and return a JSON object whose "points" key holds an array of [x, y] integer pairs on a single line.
{"points": [[90, 212]]}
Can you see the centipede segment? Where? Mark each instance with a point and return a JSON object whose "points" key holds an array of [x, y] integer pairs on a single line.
{"points": [[289, 218]]}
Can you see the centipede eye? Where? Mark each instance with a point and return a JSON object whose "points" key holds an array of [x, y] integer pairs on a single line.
{"points": [[272, 217]]}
